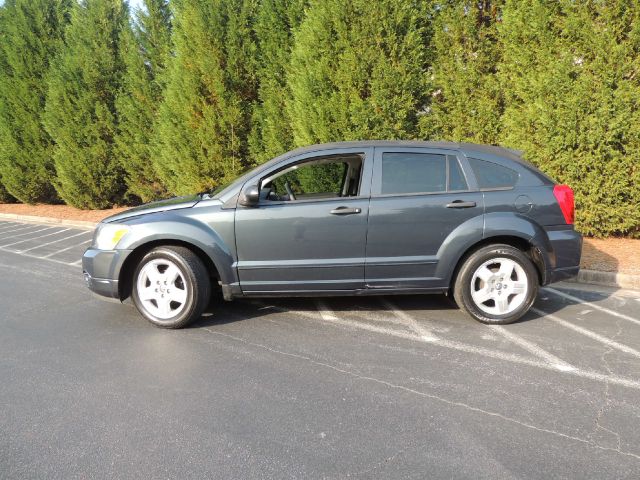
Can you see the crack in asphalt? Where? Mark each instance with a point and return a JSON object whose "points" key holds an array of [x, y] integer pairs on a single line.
{"points": [[447, 401], [607, 397]]}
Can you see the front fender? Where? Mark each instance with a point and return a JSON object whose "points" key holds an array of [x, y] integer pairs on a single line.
{"points": [[175, 227]]}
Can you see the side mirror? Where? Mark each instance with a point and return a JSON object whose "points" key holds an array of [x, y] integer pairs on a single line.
{"points": [[250, 196]]}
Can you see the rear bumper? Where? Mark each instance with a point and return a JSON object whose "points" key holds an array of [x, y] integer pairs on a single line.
{"points": [[566, 250], [101, 270]]}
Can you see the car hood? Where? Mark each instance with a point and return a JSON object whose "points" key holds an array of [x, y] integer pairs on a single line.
{"points": [[175, 203]]}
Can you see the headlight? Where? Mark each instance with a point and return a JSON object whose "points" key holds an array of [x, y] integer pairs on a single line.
{"points": [[108, 235]]}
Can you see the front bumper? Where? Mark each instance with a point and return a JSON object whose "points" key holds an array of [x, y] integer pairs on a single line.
{"points": [[101, 270]]}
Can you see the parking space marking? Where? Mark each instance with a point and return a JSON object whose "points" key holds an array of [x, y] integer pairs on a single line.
{"points": [[8, 225], [55, 241], [27, 233], [34, 238], [62, 250], [20, 229], [592, 305], [533, 348], [588, 333], [330, 317], [464, 347], [409, 321], [37, 257]]}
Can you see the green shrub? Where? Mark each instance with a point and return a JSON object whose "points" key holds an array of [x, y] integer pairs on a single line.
{"points": [[80, 112], [146, 50], [204, 119], [31, 33]]}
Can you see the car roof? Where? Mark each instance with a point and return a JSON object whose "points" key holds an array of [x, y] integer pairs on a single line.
{"points": [[463, 146]]}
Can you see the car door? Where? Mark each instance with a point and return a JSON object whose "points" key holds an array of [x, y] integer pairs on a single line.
{"points": [[315, 242], [419, 197]]}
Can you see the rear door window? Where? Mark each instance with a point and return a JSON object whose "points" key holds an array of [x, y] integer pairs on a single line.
{"points": [[491, 175], [413, 173]]}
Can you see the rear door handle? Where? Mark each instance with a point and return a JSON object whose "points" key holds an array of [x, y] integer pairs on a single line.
{"points": [[345, 211], [460, 204]]}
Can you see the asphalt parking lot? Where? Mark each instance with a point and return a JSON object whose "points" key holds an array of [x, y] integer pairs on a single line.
{"points": [[377, 387]]}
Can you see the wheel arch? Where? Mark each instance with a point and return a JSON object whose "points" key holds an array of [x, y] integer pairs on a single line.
{"points": [[125, 277], [520, 242]]}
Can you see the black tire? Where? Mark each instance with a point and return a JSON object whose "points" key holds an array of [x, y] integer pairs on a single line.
{"points": [[194, 280], [463, 284]]}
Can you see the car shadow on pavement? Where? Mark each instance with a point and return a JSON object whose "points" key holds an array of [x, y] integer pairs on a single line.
{"points": [[220, 312]]}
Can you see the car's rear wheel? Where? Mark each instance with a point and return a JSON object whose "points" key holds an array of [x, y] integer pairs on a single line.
{"points": [[496, 284], [171, 287]]}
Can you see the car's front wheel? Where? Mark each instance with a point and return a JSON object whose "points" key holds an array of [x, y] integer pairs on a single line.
{"points": [[496, 284], [171, 287]]}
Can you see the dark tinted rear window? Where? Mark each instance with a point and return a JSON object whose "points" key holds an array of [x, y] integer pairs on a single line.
{"points": [[492, 175], [413, 173]]}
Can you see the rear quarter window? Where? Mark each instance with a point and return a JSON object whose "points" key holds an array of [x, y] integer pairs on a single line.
{"points": [[492, 175]]}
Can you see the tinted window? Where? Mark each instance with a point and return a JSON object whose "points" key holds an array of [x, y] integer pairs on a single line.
{"points": [[492, 175], [456, 177], [413, 173]]}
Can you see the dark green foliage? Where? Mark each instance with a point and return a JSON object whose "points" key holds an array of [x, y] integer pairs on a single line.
{"points": [[5, 197], [274, 27], [31, 33], [80, 113], [146, 50], [204, 120], [358, 70], [570, 76], [467, 98]]}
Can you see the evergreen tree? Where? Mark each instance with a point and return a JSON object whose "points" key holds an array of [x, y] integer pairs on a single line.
{"points": [[32, 32], [204, 119], [570, 76], [358, 70], [275, 23], [80, 112], [466, 99], [146, 50], [5, 197]]}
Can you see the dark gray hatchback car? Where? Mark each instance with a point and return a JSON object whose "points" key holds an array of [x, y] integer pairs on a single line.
{"points": [[353, 218]]}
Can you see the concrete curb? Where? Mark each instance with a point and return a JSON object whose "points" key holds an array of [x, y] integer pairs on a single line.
{"points": [[608, 279], [594, 277], [48, 220]]}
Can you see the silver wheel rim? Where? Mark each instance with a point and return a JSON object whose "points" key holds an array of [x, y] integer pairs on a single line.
{"points": [[162, 289], [499, 286]]}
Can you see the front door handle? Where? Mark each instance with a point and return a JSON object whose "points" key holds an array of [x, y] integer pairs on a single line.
{"points": [[345, 211], [460, 204]]}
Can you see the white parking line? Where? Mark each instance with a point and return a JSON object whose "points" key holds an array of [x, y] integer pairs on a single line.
{"points": [[409, 321], [55, 241], [62, 250], [37, 257], [463, 347], [5, 225], [533, 348], [21, 228], [592, 305], [34, 238], [589, 333], [28, 233]]}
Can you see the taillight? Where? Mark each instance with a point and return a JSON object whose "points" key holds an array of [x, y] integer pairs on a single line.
{"points": [[564, 196]]}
